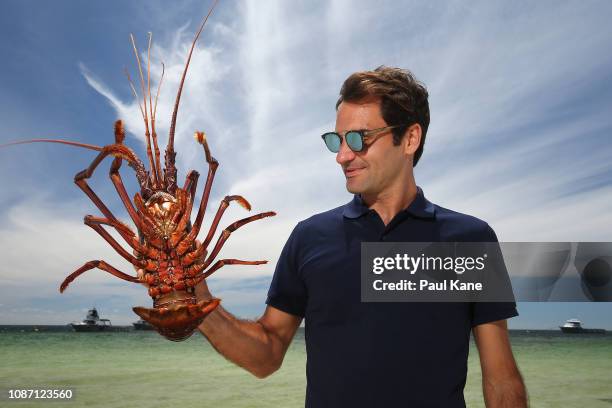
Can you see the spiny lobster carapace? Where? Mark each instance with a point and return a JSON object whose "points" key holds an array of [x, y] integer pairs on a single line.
{"points": [[169, 259]]}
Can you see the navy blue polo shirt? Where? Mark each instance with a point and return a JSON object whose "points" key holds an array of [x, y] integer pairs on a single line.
{"points": [[377, 354]]}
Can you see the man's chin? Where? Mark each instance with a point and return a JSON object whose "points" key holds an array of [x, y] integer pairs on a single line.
{"points": [[353, 187]]}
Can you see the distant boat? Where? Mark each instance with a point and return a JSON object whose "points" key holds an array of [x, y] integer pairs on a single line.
{"points": [[142, 325], [575, 326], [92, 323]]}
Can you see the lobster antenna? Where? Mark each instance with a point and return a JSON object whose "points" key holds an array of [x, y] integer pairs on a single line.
{"points": [[153, 115], [158, 88], [144, 97], [127, 74], [156, 168], [66, 142], [149, 73], [170, 147]]}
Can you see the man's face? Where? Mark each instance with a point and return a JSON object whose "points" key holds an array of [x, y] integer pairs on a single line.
{"points": [[380, 164]]}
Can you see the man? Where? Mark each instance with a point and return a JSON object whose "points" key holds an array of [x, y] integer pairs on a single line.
{"points": [[374, 354]]}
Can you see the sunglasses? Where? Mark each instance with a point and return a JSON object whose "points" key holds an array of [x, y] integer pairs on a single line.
{"points": [[355, 139]]}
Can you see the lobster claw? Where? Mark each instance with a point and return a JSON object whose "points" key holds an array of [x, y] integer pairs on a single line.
{"points": [[177, 322]]}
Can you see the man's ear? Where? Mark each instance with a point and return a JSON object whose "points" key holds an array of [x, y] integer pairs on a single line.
{"points": [[412, 139]]}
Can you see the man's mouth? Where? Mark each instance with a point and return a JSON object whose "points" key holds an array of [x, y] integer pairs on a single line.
{"points": [[351, 172]]}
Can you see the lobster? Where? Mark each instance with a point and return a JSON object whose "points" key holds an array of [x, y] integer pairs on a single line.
{"points": [[166, 254]]}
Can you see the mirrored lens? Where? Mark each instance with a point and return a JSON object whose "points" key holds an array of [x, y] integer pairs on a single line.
{"points": [[332, 141], [354, 141]]}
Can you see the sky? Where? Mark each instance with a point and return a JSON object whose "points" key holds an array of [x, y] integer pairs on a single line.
{"points": [[520, 134]]}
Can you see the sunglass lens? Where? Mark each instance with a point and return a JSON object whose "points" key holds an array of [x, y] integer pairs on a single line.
{"points": [[354, 141], [332, 141]]}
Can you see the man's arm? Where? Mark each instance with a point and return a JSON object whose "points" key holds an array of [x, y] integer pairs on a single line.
{"points": [[502, 384], [257, 346]]}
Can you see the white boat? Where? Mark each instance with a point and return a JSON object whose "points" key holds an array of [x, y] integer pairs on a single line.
{"points": [[575, 326], [92, 323], [142, 325]]}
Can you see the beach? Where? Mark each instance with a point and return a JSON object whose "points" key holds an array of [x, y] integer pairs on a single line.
{"points": [[140, 368]]}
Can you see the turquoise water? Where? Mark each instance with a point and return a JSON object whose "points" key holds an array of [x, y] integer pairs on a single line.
{"points": [[143, 369]]}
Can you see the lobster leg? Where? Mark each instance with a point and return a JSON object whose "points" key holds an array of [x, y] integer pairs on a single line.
{"points": [[129, 237], [228, 231], [149, 229], [222, 262], [126, 233], [108, 238], [191, 184], [184, 219], [82, 176], [222, 207], [100, 265], [82, 184], [185, 245], [118, 183], [116, 177], [212, 168]]}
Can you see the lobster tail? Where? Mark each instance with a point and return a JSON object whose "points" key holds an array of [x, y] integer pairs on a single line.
{"points": [[177, 323]]}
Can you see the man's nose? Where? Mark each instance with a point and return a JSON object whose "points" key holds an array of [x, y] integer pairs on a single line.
{"points": [[345, 154]]}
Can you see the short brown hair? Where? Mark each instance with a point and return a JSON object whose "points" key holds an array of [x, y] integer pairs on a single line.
{"points": [[403, 99]]}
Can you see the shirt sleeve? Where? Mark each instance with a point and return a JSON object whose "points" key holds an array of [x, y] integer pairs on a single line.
{"points": [[485, 312], [287, 291]]}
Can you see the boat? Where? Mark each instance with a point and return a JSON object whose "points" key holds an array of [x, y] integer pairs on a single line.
{"points": [[575, 326], [142, 325], [92, 323]]}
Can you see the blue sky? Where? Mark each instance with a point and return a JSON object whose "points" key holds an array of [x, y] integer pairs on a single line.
{"points": [[520, 95]]}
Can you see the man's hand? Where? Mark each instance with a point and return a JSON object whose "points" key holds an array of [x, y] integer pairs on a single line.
{"points": [[257, 346], [501, 380], [202, 292]]}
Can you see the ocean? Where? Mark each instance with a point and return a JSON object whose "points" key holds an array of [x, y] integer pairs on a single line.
{"points": [[140, 368]]}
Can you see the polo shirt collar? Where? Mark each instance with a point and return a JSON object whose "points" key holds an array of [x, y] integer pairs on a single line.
{"points": [[419, 207]]}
